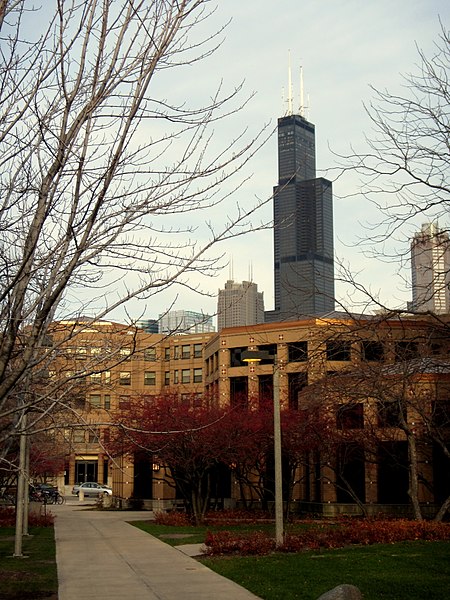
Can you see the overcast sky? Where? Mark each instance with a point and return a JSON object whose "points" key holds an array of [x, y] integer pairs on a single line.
{"points": [[344, 47]]}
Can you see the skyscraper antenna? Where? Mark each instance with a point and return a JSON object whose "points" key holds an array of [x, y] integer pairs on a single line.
{"points": [[302, 102], [289, 99]]}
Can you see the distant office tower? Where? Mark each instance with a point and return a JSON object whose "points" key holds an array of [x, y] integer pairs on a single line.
{"points": [[303, 226], [240, 304], [148, 325], [185, 321], [430, 265]]}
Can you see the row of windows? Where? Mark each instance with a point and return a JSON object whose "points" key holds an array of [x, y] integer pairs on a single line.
{"points": [[341, 351], [179, 376], [82, 436], [389, 414], [184, 351], [100, 401]]}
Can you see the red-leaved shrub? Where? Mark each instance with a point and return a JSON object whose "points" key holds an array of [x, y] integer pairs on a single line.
{"points": [[8, 518], [226, 542], [365, 532], [172, 518], [336, 534], [229, 516]]}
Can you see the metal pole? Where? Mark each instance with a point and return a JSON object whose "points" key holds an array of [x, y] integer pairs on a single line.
{"points": [[26, 488], [21, 483], [279, 533]]}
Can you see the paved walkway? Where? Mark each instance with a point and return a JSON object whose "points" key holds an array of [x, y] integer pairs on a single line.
{"points": [[100, 555]]}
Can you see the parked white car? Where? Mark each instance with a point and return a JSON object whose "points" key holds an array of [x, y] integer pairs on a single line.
{"points": [[91, 489]]}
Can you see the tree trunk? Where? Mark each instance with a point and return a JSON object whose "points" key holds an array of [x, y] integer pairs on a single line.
{"points": [[413, 491]]}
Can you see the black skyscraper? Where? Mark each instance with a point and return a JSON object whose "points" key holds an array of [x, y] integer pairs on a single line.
{"points": [[303, 226]]}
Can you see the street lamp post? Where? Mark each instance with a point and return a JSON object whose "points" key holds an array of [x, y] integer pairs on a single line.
{"points": [[277, 457], [254, 356]]}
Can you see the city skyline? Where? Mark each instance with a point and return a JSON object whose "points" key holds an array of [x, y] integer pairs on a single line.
{"points": [[364, 45], [343, 48]]}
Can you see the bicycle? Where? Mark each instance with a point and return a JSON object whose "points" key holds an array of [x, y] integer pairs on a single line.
{"points": [[53, 497]]}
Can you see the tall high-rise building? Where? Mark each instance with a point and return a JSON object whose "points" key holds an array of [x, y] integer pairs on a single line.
{"points": [[430, 269], [239, 304], [185, 321], [303, 226]]}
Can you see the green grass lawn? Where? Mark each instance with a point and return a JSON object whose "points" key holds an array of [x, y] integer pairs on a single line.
{"points": [[33, 577], [402, 571]]}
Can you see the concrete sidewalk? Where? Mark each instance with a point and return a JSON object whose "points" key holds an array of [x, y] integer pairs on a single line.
{"points": [[100, 555]]}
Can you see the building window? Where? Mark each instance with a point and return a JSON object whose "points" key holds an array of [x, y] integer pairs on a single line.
{"points": [[338, 350], [198, 376], [167, 378], [238, 391], [93, 436], [441, 413], [176, 352], [124, 402], [150, 354], [95, 400], [350, 416], [298, 352], [125, 351], [125, 378], [96, 378], [296, 382], [107, 401], [372, 351], [185, 376], [107, 375], [150, 378], [235, 357], [81, 352], [166, 353], [406, 350], [388, 414], [79, 436], [175, 376], [198, 350], [185, 351]]}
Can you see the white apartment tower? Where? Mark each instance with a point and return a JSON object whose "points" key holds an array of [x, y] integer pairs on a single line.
{"points": [[239, 304], [430, 264]]}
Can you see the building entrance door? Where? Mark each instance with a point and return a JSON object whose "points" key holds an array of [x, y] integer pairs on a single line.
{"points": [[86, 470]]}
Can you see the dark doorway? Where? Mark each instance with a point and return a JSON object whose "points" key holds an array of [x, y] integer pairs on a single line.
{"points": [[220, 481], [393, 476], [441, 475], [143, 476], [350, 476], [86, 470], [239, 391]]}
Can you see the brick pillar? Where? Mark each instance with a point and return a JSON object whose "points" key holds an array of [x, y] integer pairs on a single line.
{"points": [[100, 467], [72, 470]]}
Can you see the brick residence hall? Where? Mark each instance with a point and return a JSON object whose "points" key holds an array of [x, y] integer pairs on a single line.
{"points": [[359, 368]]}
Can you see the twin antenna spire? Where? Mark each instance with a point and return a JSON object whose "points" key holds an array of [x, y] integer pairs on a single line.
{"points": [[290, 95]]}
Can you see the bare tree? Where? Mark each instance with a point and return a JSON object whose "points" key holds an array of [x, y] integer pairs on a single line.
{"points": [[405, 171], [95, 162]]}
